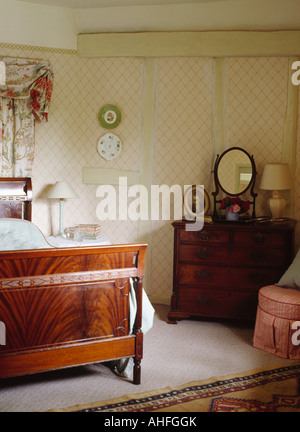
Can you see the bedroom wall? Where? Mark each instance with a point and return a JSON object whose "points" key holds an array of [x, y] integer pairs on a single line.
{"points": [[68, 142], [183, 133], [37, 25], [255, 92]]}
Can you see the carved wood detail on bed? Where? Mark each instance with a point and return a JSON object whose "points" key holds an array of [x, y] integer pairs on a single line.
{"points": [[68, 307], [16, 197]]}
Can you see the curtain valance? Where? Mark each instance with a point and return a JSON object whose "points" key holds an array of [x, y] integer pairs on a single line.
{"points": [[25, 93], [29, 79]]}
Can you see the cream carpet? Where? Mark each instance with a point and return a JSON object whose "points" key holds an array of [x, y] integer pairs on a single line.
{"points": [[173, 355]]}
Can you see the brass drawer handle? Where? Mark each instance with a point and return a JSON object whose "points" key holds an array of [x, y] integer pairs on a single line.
{"points": [[203, 300], [256, 277], [204, 274], [204, 253], [258, 256], [204, 235], [258, 238]]}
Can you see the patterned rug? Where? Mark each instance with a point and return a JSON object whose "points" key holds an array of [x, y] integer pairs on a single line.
{"points": [[275, 390]]}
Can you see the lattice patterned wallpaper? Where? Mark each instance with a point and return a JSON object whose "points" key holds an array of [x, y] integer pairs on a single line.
{"points": [[256, 94], [183, 147], [68, 142], [256, 105]]}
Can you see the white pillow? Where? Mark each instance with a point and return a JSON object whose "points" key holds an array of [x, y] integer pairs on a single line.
{"points": [[291, 278]]}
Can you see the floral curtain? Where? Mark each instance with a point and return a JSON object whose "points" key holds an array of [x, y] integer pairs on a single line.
{"points": [[25, 92]]}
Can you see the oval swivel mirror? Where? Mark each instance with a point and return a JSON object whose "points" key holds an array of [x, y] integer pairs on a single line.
{"points": [[234, 174]]}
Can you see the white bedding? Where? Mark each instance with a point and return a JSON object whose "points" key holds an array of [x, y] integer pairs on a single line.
{"points": [[61, 242], [19, 234]]}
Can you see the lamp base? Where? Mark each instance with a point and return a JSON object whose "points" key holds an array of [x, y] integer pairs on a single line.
{"points": [[277, 205], [61, 235]]}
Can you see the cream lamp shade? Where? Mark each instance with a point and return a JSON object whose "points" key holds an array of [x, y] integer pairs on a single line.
{"points": [[276, 177], [61, 190]]}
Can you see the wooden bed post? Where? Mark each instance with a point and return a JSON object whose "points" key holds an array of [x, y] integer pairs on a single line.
{"points": [[138, 286]]}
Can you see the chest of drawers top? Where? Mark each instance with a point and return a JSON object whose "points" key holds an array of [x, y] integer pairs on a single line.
{"points": [[269, 235]]}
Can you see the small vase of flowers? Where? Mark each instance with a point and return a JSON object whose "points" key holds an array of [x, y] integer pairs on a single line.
{"points": [[235, 206]]}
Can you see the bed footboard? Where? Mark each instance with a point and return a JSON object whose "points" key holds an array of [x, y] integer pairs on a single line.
{"points": [[70, 307]]}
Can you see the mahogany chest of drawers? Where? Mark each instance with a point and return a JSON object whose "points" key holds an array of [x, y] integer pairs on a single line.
{"points": [[219, 270]]}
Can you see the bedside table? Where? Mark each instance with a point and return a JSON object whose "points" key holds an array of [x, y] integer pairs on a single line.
{"points": [[63, 242]]}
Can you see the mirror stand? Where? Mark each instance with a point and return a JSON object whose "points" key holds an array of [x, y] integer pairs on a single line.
{"points": [[234, 175]]}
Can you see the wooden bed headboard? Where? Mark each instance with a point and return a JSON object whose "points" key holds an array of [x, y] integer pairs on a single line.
{"points": [[15, 197]]}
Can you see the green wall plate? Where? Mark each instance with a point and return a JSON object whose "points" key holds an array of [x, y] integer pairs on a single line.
{"points": [[109, 116]]}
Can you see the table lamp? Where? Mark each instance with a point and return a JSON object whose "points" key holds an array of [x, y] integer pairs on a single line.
{"points": [[276, 177], [61, 190]]}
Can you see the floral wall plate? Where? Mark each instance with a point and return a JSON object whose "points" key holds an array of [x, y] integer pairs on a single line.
{"points": [[109, 116], [109, 146]]}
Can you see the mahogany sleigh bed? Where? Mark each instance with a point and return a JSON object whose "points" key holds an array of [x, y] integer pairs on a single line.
{"points": [[63, 307]]}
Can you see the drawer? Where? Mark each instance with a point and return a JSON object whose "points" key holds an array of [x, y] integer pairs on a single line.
{"points": [[207, 276], [203, 253], [258, 256], [234, 278], [233, 256], [204, 236], [217, 303], [260, 238]]}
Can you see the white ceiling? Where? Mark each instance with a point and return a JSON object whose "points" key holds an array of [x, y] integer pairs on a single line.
{"points": [[86, 4], [100, 16]]}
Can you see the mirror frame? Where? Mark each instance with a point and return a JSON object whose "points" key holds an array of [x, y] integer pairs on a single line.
{"points": [[218, 185]]}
